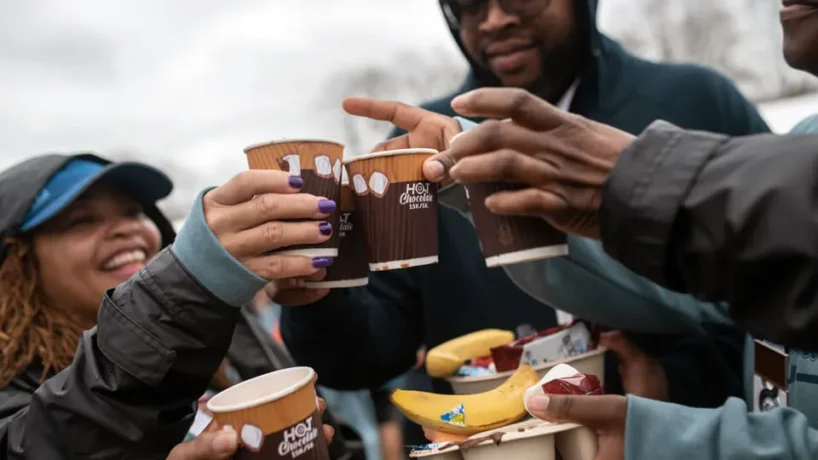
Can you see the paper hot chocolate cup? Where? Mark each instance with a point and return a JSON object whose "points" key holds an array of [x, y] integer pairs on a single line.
{"points": [[275, 416], [397, 207], [351, 268], [319, 163], [507, 240]]}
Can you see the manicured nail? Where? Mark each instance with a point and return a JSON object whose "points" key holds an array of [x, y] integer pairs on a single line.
{"points": [[325, 228], [322, 262], [225, 442], [296, 182], [435, 170], [326, 206], [539, 403]]}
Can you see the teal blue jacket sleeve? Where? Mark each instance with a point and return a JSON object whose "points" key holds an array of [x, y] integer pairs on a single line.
{"points": [[672, 432], [591, 285], [200, 252]]}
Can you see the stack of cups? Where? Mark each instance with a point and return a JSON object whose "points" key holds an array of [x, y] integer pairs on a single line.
{"points": [[319, 163]]}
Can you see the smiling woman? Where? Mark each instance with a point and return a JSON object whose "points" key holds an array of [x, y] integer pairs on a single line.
{"points": [[120, 378], [85, 233]]}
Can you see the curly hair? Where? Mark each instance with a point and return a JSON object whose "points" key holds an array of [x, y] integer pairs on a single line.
{"points": [[30, 329]]}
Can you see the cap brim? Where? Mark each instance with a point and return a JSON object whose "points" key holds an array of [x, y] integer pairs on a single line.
{"points": [[145, 184]]}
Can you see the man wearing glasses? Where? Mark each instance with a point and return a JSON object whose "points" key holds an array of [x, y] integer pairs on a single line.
{"points": [[359, 338]]}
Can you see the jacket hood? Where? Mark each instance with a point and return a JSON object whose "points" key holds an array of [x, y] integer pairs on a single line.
{"points": [[586, 9], [21, 184]]}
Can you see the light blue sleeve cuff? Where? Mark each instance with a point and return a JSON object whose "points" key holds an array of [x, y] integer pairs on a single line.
{"points": [[668, 431], [465, 124], [200, 252], [590, 285]]}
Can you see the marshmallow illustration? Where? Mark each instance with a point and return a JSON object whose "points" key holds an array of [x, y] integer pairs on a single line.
{"points": [[294, 164], [252, 437], [559, 371], [323, 166], [337, 169], [378, 183], [359, 184]]}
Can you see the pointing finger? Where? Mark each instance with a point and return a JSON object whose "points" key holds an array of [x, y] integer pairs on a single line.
{"points": [[503, 165], [399, 114], [517, 104]]}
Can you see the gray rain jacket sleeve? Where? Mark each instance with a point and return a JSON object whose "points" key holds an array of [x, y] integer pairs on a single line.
{"points": [[129, 392], [725, 219]]}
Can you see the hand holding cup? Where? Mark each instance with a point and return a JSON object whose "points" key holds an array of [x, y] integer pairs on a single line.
{"points": [[251, 215]]}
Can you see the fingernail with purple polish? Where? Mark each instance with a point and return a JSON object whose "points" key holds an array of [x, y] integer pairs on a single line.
{"points": [[326, 206], [325, 228], [322, 262], [296, 182]]}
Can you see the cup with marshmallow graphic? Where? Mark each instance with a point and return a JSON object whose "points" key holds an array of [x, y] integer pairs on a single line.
{"points": [[397, 207], [319, 163]]}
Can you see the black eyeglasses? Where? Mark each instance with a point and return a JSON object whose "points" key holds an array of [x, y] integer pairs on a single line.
{"points": [[468, 14]]}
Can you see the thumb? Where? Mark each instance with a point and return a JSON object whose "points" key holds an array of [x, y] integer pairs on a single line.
{"points": [[207, 446], [623, 348], [436, 168], [595, 412]]}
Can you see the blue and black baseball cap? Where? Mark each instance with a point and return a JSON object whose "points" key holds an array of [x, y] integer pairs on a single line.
{"points": [[38, 189], [144, 183]]}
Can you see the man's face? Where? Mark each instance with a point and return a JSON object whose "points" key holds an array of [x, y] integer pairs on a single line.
{"points": [[799, 20], [518, 48]]}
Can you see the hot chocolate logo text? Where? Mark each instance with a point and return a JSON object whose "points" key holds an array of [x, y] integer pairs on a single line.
{"points": [[346, 223], [298, 440], [418, 195]]}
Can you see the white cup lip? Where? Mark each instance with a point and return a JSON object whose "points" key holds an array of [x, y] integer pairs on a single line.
{"points": [[214, 406], [389, 153], [295, 139]]}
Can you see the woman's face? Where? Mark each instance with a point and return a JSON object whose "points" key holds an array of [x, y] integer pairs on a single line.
{"points": [[95, 244]]}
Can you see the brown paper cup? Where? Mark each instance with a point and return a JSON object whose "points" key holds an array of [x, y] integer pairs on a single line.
{"points": [[351, 268], [398, 207], [275, 415], [510, 240], [319, 163]]}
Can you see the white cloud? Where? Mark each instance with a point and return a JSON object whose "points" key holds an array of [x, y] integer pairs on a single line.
{"points": [[187, 81]]}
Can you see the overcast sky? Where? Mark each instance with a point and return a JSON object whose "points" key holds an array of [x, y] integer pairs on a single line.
{"points": [[193, 79]]}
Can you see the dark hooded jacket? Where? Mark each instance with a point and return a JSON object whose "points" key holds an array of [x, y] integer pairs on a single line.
{"points": [[363, 337], [132, 388]]}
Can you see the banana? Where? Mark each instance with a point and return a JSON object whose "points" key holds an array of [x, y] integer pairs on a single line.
{"points": [[446, 358], [468, 414]]}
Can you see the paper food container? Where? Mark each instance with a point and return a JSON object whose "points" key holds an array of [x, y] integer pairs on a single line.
{"points": [[591, 363], [528, 440]]}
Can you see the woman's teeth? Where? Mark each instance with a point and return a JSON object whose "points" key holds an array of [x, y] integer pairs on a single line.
{"points": [[124, 258]]}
